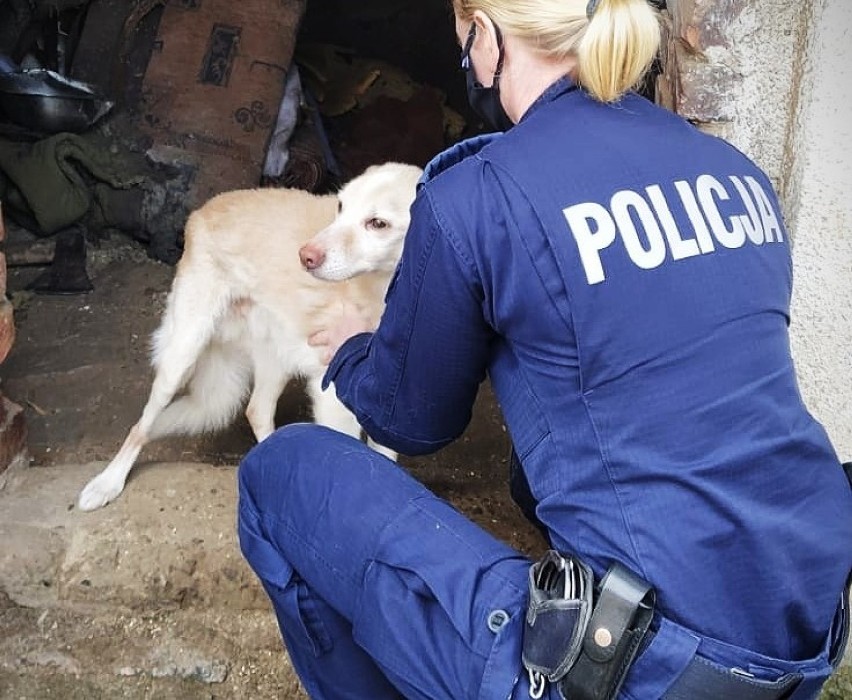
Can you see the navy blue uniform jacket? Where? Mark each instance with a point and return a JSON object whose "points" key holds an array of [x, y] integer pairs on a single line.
{"points": [[624, 281]]}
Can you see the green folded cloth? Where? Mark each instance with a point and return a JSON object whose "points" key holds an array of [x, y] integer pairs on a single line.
{"points": [[55, 178]]}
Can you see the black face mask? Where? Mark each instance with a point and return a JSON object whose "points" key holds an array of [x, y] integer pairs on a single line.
{"points": [[485, 101]]}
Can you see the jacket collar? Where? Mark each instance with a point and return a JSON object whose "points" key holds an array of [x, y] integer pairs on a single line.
{"points": [[455, 154], [461, 150]]}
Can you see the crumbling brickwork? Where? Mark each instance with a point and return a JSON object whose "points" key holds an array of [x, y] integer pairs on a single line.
{"points": [[694, 83], [13, 429]]}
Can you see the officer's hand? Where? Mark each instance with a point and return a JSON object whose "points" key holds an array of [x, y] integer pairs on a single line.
{"points": [[348, 322]]}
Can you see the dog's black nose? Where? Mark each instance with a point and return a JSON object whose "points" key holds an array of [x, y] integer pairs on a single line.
{"points": [[311, 256]]}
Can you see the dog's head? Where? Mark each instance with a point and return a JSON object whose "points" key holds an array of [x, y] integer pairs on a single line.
{"points": [[368, 232]]}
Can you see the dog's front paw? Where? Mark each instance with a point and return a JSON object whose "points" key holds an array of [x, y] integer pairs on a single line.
{"points": [[98, 492]]}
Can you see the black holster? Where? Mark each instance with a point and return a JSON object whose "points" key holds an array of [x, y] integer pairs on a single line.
{"points": [[620, 620], [581, 637]]}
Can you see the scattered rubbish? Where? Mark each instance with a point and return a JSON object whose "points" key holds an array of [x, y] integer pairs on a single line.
{"points": [[45, 101]]}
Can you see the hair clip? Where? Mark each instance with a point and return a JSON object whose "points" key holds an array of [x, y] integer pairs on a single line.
{"points": [[591, 7]]}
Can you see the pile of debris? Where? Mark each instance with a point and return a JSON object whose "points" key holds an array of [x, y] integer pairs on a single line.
{"points": [[127, 114]]}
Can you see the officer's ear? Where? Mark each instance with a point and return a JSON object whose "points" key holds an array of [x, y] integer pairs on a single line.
{"points": [[486, 45]]}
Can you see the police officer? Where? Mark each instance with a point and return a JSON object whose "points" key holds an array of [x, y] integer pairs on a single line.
{"points": [[624, 282]]}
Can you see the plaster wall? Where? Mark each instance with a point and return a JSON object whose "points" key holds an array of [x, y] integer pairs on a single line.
{"points": [[774, 78], [818, 200]]}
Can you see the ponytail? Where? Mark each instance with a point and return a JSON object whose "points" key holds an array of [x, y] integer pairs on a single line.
{"points": [[618, 47]]}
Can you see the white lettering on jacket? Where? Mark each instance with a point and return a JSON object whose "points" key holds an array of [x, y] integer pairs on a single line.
{"points": [[727, 215]]}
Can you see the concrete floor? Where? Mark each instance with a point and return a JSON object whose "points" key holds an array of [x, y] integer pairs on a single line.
{"points": [[149, 597]]}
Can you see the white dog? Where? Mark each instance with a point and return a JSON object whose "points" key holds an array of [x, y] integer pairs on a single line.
{"points": [[242, 307]]}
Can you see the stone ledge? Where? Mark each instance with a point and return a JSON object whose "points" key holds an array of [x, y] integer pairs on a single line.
{"points": [[169, 541], [147, 597]]}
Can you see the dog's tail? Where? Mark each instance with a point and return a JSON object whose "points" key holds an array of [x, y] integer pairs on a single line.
{"points": [[214, 394]]}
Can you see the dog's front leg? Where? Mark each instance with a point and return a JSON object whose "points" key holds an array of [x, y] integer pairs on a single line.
{"points": [[328, 410], [382, 450], [270, 378]]}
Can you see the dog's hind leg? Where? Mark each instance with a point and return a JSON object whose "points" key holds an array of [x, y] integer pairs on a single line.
{"points": [[187, 327], [214, 394]]}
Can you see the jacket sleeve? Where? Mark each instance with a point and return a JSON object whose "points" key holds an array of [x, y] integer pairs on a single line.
{"points": [[412, 384]]}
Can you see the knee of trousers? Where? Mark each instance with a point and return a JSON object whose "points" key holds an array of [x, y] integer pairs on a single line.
{"points": [[266, 477], [293, 469], [270, 466]]}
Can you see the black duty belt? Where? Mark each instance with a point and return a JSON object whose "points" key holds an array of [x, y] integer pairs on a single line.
{"points": [[704, 681]]}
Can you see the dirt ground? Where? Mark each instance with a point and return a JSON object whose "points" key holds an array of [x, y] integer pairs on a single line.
{"points": [[80, 368]]}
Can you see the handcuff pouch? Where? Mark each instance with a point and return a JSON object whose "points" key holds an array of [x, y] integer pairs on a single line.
{"points": [[560, 606]]}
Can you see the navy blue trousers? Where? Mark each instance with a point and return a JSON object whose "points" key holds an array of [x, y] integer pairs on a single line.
{"points": [[382, 590]]}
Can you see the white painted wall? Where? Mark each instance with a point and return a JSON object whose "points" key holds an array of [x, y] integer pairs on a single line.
{"points": [[819, 210], [792, 113]]}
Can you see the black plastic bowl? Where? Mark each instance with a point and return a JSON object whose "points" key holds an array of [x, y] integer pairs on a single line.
{"points": [[45, 101]]}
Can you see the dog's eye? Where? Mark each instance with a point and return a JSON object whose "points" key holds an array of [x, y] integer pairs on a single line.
{"points": [[377, 224], [339, 206]]}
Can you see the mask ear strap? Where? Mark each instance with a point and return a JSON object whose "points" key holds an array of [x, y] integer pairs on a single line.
{"points": [[468, 45], [498, 71]]}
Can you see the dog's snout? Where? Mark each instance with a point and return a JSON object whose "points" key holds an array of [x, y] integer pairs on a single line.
{"points": [[311, 256]]}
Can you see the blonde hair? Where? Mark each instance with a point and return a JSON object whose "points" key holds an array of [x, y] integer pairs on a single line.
{"points": [[614, 47]]}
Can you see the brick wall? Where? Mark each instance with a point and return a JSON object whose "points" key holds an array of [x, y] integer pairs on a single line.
{"points": [[697, 82], [13, 428]]}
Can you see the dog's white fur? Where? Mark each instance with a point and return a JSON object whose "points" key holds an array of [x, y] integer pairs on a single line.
{"points": [[242, 307]]}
